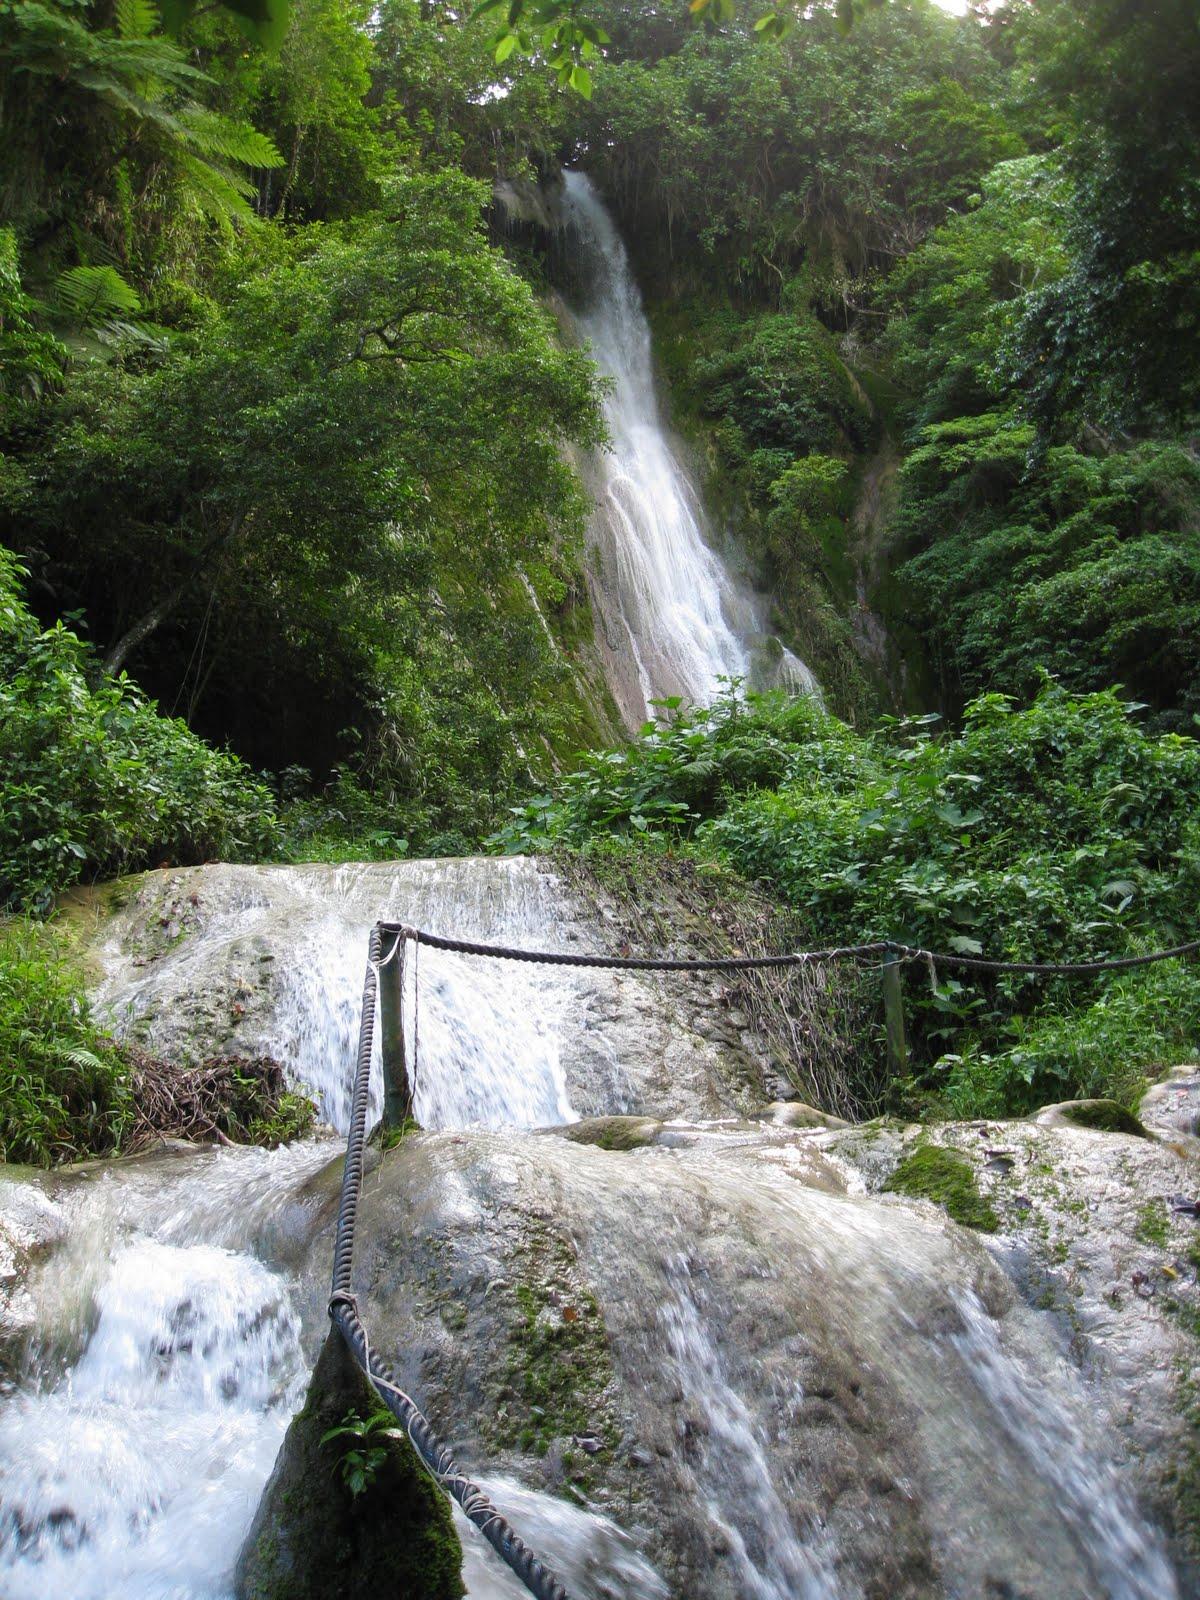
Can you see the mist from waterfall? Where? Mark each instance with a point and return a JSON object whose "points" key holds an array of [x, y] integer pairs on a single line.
{"points": [[672, 618]]}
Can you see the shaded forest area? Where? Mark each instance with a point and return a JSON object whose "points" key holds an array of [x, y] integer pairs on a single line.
{"points": [[284, 426]]}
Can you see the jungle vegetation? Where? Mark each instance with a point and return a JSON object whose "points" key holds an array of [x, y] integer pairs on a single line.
{"points": [[292, 545]]}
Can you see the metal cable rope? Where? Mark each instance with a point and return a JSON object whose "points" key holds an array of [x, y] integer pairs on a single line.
{"points": [[795, 958], [343, 1307], [343, 1311]]}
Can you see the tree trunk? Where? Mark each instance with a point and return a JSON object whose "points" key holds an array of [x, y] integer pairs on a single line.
{"points": [[123, 648]]}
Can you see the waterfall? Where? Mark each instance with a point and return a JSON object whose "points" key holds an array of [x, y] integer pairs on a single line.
{"points": [[779, 1344], [672, 619], [165, 1366]]}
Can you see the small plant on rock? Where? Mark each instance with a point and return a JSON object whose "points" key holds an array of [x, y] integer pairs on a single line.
{"points": [[362, 1455]]}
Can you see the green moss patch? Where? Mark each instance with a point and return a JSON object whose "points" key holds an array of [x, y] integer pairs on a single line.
{"points": [[934, 1173], [557, 1368], [1153, 1226], [312, 1537], [614, 1133], [1105, 1116]]}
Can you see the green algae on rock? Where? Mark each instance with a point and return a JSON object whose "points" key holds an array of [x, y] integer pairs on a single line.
{"points": [[1103, 1116], [934, 1173]]}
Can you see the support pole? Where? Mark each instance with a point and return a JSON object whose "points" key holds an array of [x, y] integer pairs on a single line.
{"points": [[893, 1016], [397, 1094]]}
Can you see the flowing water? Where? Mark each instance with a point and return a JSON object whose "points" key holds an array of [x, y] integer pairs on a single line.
{"points": [[170, 1315], [752, 1310], [673, 620], [164, 1365]]}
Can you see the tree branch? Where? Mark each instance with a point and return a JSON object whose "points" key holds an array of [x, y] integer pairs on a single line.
{"points": [[158, 613]]}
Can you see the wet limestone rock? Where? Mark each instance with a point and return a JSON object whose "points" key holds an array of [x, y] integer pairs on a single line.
{"points": [[311, 1538], [1171, 1108], [796, 1114], [1096, 1231]]}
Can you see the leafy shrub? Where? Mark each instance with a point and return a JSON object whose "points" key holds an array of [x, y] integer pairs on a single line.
{"points": [[343, 822], [95, 779], [1061, 832], [680, 770], [1088, 568], [779, 379], [64, 1089]]}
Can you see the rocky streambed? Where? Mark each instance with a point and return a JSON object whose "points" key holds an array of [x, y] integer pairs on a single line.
{"points": [[696, 1341]]}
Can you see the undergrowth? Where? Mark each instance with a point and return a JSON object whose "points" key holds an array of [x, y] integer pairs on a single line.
{"points": [[64, 1085], [69, 1090], [1058, 832]]}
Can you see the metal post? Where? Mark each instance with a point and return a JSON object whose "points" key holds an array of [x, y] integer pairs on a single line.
{"points": [[893, 1016], [397, 1095]]}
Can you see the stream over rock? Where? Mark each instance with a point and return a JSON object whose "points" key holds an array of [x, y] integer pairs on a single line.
{"points": [[692, 1354], [671, 617]]}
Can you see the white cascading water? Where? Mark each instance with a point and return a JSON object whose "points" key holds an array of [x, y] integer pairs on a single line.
{"points": [[488, 1033], [156, 1397], [168, 1354], [673, 621]]}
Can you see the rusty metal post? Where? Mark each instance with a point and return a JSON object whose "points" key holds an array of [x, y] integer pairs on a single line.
{"points": [[397, 1093]]}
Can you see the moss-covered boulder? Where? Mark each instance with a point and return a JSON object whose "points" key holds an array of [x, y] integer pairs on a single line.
{"points": [[1102, 1116], [613, 1133], [312, 1537]]}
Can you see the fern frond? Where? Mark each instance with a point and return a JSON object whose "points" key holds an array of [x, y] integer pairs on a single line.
{"points": [[148, 335], [91, 295], [82, 1060], [211, 134], [217, 192], [137, 19], [93, 250]]}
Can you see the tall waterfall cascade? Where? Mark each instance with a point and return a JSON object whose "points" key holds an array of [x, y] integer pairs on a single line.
{"points": [[672, 619]]}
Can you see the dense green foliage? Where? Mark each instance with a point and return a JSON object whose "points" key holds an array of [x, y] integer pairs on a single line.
{"points": [[1070, 556], [95, 779], [950, 218], [286, 433], [1058, 833], [63, 1085], [306, 484]]}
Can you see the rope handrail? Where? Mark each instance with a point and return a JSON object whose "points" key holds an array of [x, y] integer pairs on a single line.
{"points": [[792, 958], [343, 1307], [343, 1312]]}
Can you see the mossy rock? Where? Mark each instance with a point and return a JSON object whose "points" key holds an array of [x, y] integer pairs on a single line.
{"points": [[614, 1133], [934, 1173], [1102, 1116], [796, 1114], [311, 1538]]}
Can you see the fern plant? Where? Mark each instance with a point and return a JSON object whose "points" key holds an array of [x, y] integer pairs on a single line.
{"points": [[61, 80]]}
